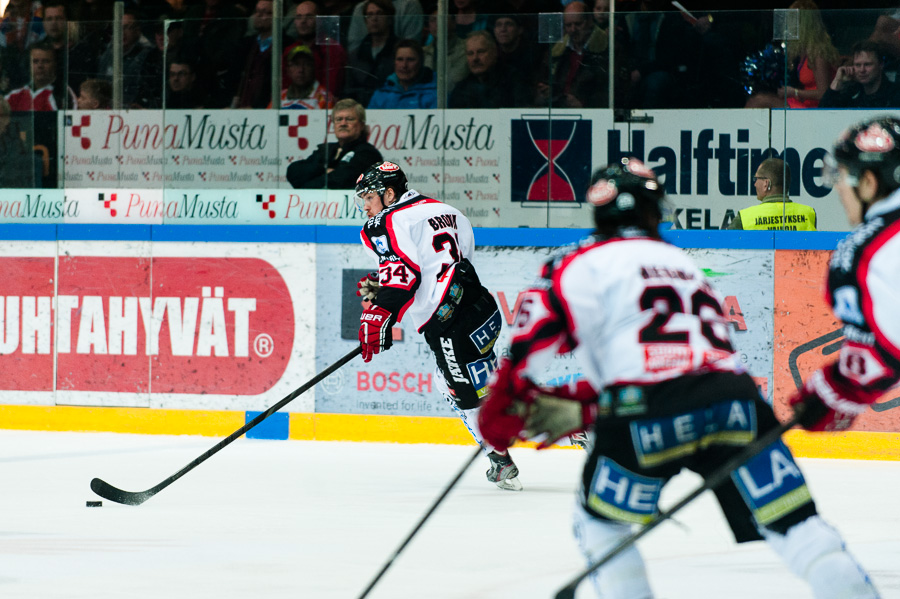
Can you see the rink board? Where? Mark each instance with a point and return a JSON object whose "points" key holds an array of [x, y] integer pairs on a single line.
{"points": [[361, 428], [145, 330]]}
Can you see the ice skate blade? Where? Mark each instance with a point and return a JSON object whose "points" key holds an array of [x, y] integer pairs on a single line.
{"points": [[509, 484]]}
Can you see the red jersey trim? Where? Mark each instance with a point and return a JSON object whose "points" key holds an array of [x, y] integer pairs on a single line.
{"points": [[862, 274]]}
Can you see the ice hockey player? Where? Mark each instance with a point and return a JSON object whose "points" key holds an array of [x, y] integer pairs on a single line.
{"points": [[649, 333], [863, 279], [425, 273]]}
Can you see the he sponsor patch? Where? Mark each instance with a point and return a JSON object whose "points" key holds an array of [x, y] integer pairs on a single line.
{"points": [[622, 495], [486, 335], [480, 371], [660, 440], [771, 484]]}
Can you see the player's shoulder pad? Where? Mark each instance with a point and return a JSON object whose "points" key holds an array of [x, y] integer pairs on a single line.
{"points": [[564, 251]]}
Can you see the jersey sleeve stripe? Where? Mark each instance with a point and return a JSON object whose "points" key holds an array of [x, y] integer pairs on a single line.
{"points": [[395, 245], [862, 272], [365, 240]]}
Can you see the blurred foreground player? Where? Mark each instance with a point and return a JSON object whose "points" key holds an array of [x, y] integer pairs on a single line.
{"points": [[424, 250], [863, 285], [649, 333]]}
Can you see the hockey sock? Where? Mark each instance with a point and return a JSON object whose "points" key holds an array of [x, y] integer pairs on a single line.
{"points": [[468, 417], [815, 552], [625, 576]]}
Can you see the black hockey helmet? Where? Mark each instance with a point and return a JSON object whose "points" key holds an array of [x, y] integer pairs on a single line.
{"points": [[380, 177], [625, 193], [872, 145]]}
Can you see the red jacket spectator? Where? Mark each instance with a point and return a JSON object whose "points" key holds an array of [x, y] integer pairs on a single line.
{"points": [[42, 94]]}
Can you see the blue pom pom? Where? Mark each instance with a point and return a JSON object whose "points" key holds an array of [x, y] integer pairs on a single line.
{"points": [[764, 71]]}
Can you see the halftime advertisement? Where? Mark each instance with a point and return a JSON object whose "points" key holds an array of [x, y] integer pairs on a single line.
{"points": [[502, 168]]}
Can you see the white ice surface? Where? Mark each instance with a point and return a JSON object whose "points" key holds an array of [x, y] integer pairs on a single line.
{"points": [[278, 519]]}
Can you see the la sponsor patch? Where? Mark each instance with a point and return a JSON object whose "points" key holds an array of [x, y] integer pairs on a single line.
{"points": [[771, 484]]}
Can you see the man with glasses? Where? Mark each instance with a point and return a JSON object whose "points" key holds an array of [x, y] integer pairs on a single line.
{"points": [[408, 22], [182, 91], [338, 165], [776, 211]]}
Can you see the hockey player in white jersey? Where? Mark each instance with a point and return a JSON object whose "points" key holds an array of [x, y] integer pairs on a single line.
{"points": [[649, 334], [863, 280], [424, 250]]}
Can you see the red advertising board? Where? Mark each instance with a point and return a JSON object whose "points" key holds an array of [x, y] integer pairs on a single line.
{"points": [[189, 325]]}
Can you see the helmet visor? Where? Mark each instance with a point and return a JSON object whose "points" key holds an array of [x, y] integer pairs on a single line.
{"points": [[364, 189], [830, 172]]}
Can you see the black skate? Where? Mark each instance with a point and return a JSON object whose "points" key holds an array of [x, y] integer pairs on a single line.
{"points": [[582, 440], [503, 472]]}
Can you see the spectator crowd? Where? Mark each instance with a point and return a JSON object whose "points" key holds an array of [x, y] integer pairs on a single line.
{"points": [[186, 54]]}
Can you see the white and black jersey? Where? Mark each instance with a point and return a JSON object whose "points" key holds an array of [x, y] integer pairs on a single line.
{"points": [[864, 290], [419, 243], [634, 310], [424, 249]]}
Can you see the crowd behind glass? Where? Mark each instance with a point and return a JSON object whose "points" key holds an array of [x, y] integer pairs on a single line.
{"points": [[58, 54], [218, 54]]}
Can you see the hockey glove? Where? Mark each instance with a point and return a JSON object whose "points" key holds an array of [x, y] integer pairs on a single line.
{"points": [[368, 286], [556, 413], [501, 417], [375, 331], [829, 402], [516, 408]]}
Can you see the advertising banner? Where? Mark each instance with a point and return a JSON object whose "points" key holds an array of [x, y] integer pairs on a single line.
{"points": [[196, 326], [807, 335], [210, 207], [196, 149], [745, 281], [502, 168], [400, 381]]}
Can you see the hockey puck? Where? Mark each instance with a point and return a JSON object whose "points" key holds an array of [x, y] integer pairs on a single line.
{"points": [[93, 504]]}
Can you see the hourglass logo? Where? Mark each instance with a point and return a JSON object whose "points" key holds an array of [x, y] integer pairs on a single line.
{"points": [[551, 158]]}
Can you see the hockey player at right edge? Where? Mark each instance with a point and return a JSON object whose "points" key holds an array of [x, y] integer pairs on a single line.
{"points": [[649, 334]]}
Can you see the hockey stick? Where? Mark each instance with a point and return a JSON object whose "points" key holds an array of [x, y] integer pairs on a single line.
{"points": [[427, 515], [107, 491], [712, 481]]}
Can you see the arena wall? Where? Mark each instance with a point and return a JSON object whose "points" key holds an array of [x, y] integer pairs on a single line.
{"points": [[170, 288]]}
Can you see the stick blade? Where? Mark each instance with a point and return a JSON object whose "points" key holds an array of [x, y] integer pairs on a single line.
{"points": [[107, 491], [567, 592]]}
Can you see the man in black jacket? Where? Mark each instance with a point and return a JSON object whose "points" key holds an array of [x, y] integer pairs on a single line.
{"points": [[862, 84], [338, 165]]}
